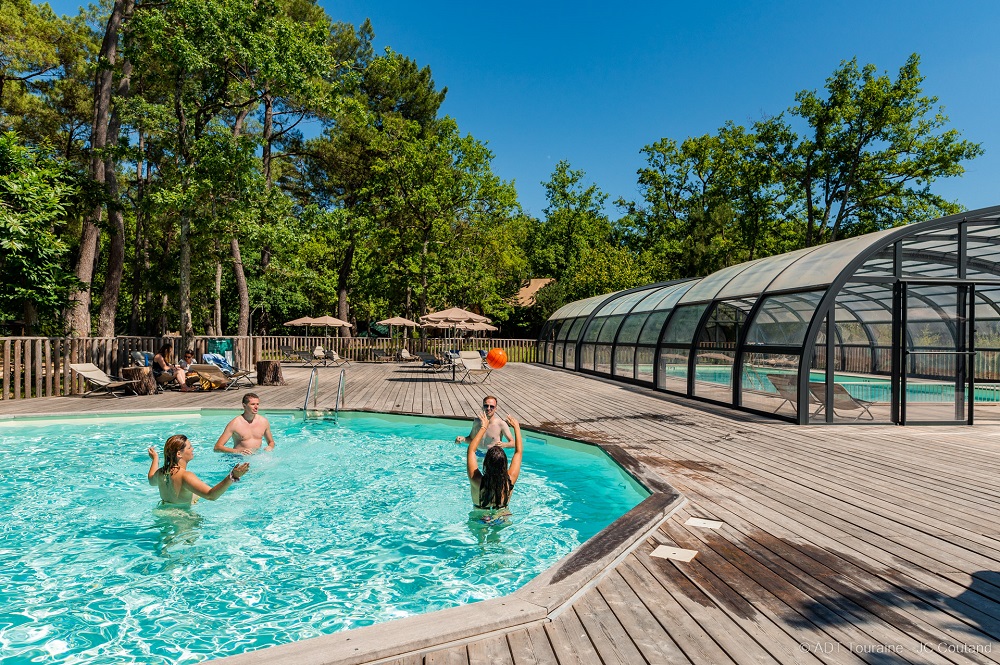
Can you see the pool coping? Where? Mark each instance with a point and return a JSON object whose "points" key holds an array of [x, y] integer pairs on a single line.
{"points": [[540, 600]]}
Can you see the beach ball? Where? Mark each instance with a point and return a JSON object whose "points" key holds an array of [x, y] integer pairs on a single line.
{"points": [[496, 358]]}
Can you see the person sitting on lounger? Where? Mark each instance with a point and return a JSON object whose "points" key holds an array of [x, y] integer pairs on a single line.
{"points": [[491, 488], [165, 371], [177, 485]]}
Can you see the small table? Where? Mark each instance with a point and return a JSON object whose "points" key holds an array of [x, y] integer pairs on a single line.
{"points": [[145, 383], [269, 373]]}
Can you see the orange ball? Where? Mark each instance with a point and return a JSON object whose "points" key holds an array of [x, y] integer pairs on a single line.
{"points": [[496, 358]]}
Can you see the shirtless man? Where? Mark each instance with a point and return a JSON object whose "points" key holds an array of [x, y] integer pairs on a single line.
{"points": [[247, 430], [496, 428]]}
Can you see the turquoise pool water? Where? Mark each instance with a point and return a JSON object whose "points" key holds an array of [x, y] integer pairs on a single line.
{"points": [[868, 388], [343, 525]]}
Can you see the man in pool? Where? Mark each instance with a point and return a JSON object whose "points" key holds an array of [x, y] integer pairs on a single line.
{"points": [[496, 428], [247, 430]]}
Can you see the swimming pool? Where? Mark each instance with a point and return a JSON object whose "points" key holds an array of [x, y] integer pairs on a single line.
{"points": [[867, 388], [344, 525]]}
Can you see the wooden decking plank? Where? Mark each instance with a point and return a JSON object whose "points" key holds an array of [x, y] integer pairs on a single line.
{"points": [[454, 656], [569, 640], [874, 586], [756, 610], [836, 511], [491, 651], [651, 639], [531, 646], [609, 638], [843, 628], [690, 618]]}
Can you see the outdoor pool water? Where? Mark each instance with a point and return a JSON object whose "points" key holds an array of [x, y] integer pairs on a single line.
{"points": [[343, 525]]}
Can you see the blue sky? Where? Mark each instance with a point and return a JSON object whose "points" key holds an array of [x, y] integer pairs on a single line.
{"points": [[592, 83]]}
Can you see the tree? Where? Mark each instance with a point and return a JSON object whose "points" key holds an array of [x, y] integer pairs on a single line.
{"points": [[873, 149], [36, 190]]}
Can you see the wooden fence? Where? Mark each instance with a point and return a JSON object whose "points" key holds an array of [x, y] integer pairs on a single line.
{"points": [[39, 366]]}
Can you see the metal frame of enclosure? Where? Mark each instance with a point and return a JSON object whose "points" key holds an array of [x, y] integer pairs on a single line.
{"points": [[901, 326]]}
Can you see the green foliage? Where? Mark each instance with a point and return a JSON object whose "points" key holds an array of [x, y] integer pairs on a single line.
{"points": [[36, 190]]}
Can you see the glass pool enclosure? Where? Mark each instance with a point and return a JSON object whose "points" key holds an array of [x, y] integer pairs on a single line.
{"points": [[899, 326]]}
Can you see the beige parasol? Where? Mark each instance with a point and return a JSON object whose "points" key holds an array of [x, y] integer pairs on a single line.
{"points": [[453, 315]]}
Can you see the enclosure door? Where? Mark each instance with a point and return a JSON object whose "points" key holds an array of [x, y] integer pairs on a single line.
{"points": [[932, 378]]}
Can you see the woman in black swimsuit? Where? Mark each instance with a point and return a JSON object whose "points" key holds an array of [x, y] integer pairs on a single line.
{"points": [[491, 488], [165, 372]]}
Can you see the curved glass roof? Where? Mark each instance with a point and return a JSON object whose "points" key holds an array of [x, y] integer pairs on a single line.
{"points": [[772, 311]]}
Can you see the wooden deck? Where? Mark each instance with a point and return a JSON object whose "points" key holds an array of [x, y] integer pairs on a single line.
{"points": [[862, 544]]}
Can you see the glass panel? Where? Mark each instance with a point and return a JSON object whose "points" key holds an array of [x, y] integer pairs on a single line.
{"points": [[722, 329], [755, 279], [610, 328], [560, 347], [625, 361], [655, 300], [629, 332], [707, 288], [713, 375], [673, 370], [935, 367], [587, 356], [570, 355], [593, 330], [783, 319], [565, 329], [602, 358], [625, 304], [680, 329], [644, 363], [574, 332], [821, 267], [769, 383], [653, 326], [931, 255]]}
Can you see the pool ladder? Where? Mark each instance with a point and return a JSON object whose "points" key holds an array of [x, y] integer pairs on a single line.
{"points": [[312, 390]]}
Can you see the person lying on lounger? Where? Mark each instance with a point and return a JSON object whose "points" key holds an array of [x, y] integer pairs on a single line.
{"points": [[177, 485]]}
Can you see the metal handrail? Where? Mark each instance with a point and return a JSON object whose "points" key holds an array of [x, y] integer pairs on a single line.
{"points": [[313, 383], [340, 393]]}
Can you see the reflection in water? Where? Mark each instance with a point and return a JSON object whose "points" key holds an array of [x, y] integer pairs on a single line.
{"points": [[486, 525], [177, 527]]}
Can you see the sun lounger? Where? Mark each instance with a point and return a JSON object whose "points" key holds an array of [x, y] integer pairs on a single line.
{"points": [[842, 400], [380, 356], [307, 358], [335, 359], [104, 383], [210, 377], [233, 374], [473, 364], [430, 362]]}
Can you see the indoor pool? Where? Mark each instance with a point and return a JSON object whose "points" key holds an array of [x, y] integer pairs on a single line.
{"points": [[343, 525]]}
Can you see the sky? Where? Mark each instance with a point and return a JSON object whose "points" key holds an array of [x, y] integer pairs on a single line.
{"points": [[594, 82]]}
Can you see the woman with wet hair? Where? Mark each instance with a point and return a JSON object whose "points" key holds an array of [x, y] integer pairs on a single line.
{"points": [[492, 487], [177, 485]]}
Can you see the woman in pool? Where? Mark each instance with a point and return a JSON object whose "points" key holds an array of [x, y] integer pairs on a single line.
{"points": [[491, 488], [177, 485]]}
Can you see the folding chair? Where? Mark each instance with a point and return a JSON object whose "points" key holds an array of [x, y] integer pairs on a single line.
{"points": [[97, 377]]}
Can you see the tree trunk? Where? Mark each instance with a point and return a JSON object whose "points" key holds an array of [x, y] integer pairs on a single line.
{"points": [[217, 309], [243, 323], [343, 278], [141, 256], [78, 310], [187, 327]]}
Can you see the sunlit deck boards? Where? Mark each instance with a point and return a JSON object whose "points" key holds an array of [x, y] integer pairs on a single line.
{"points": [[838, 544]]}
